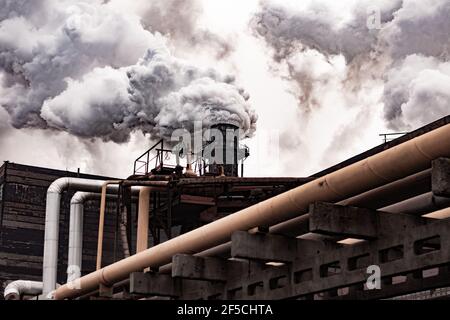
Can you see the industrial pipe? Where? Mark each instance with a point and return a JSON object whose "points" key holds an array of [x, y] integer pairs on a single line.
{"points": [[400, 161], [74, 257], [300, 225], [424, 203], [161, 182], [52, 213], [393, 192], [376, 198], [15, 290], [76, 228], [143, 217], [224, 249], [101, 221], [154, 184]]}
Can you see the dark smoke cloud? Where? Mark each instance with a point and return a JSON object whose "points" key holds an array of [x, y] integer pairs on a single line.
{"points": [[90, 69]]}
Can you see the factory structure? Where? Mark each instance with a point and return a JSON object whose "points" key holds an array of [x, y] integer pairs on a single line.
{"points": [[189, 225]]}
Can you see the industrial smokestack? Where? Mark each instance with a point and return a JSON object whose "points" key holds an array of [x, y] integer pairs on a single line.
{"points": [[222, 151]]}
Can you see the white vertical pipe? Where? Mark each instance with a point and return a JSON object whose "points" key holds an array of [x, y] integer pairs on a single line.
{"points": [[75, 254], [51, 237], [50, 259], [75, 257]]}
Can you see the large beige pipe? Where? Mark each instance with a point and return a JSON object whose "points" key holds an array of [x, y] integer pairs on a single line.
{"points": [[400, 161], [143, 217], [388, 194]]}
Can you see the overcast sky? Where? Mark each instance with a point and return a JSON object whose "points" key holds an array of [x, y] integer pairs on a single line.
{"points": [[324, 78]]}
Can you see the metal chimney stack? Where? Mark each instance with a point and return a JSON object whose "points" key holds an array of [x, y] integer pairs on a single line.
{"points": [[225, 155]]}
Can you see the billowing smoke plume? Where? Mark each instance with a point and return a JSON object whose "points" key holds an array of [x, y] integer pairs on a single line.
{"points": [[320, 27], [417, 91], [178, 20], [400, 46], [88, 68], [157, 96]]}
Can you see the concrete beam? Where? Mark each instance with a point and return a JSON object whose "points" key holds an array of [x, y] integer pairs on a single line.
{"points": [[411, 286], [360, 223], [161, 285], [198, 268], [440, 177], [331, 219], [422, 247], [105, 292], [271, 248]]}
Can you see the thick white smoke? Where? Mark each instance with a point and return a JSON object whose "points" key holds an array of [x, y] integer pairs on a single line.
{"points": [[398, 46], [178, 20], [417, 92], [320, 26], [419, 27], [324, 48], [157, 95], [88, 68]]}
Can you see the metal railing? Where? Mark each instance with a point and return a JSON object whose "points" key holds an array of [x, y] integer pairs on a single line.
{"points": [[158, 158], [391, 136], [143, 164]]}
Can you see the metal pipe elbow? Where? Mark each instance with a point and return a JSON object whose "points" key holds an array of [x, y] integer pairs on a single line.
{"points": [[15, 290], [58, 185], [81, 197]]}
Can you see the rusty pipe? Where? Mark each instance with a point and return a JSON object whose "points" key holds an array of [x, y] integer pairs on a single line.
{"points": [[143, 217], [155, 183], [74, 260], [127, 183], [400, 161], [101, 221], [144, 208]]}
